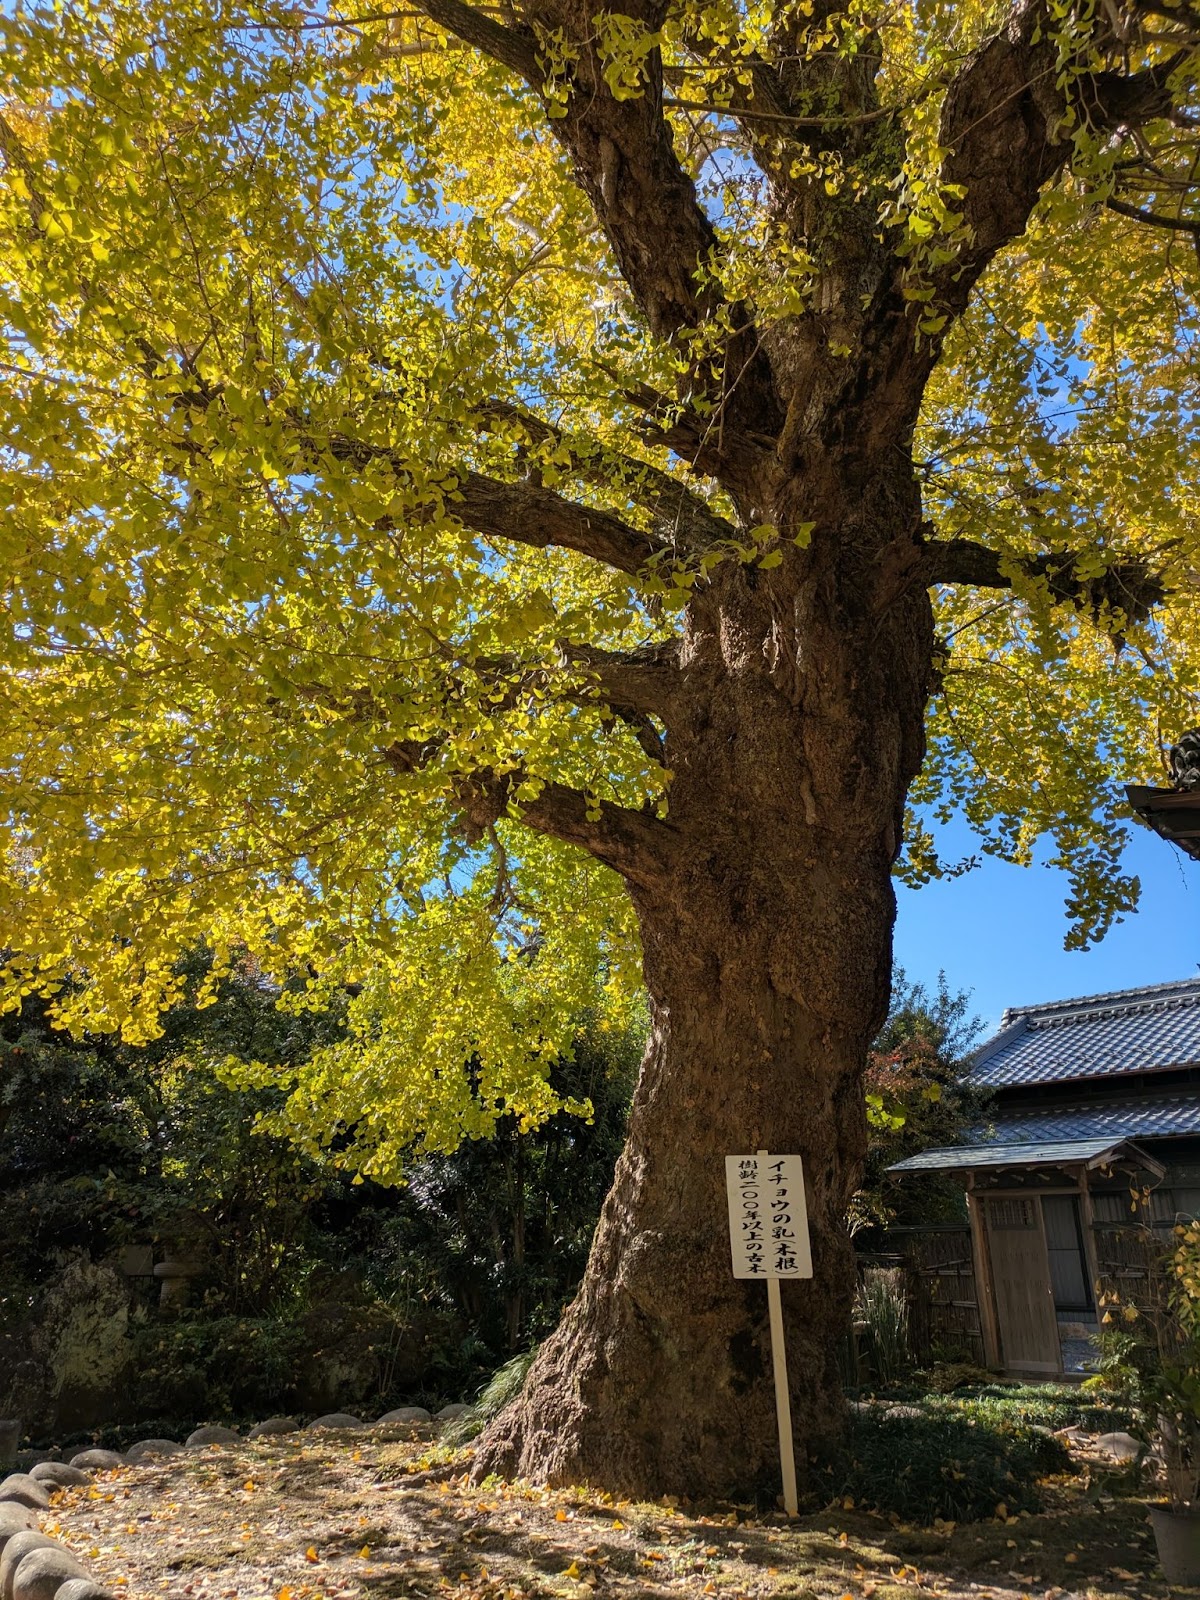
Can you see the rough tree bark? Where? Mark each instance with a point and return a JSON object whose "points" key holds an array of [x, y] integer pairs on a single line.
{"points": [[767, 938], [791, 710]]}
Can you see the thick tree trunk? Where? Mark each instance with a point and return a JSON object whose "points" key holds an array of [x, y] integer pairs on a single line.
{"points": [[767, 960]]}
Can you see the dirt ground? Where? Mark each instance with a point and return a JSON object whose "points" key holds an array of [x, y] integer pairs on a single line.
{"points": [[334, 1518]]}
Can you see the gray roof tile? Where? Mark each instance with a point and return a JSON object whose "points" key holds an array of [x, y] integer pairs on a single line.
{"points": [[1053, 1153], [1158, 1116], [1096, 1036]]}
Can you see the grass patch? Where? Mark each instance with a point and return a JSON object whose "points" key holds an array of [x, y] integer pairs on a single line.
{"points": [[1042, 1405], [943, 1463]]}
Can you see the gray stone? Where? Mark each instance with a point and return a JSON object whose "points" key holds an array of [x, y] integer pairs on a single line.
{"points": [[337, 1421], [26, 1491], [59, 1475], [211, 1434], [272, 1426], [1122, 1446], [83, 1589], [43, 1572], [451, 1413], [32, 1458], [15, 1551], [148, 1449], [404, 1417], [97, 1460], [909, 1412], [15, 1519]]}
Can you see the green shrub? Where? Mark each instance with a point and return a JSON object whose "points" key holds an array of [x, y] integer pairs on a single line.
{"points": [[505, 1384], [943, 1463]]}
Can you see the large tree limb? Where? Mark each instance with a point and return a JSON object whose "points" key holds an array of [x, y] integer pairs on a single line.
{"points": [[681, 516], [1005, 124], [634, 843], [664, 244], [645, 681], [526, 513], [1130, 586]]}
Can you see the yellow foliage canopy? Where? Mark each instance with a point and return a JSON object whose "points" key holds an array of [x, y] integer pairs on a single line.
{"points": [[290, 304]]}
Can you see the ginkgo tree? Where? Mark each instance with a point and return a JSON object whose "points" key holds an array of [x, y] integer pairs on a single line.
{"points": [[506, 503]]}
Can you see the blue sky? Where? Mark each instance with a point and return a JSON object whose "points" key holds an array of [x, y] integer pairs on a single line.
{"points": [[998, 931]]}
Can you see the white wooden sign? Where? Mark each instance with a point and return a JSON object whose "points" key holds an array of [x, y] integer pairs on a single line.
{"points": [[768, 1236], [768, 1219]]}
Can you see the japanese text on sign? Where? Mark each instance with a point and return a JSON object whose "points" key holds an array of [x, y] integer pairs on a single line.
{"points": [[768, 1219]]}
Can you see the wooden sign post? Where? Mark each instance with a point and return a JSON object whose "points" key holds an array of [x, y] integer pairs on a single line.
{"points": [[768, 1236]]}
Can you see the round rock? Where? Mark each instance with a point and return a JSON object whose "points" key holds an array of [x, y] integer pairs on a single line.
{"points": [[97, 1460], [14, 1519], [148, 1449], [42, 1574], [1122, 1446], [450, 1413], [26, 1491], [58, 1475], [337, 1421], [404, 1417], [83, 1589], [211, 1434], [15, 1551], [272, 1426]]}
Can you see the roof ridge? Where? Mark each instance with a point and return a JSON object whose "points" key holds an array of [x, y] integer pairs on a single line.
{"points": [[1182, 987]]}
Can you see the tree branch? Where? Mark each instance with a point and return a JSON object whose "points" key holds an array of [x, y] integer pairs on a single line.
{"points": [[1153, 219], [513, 48], [645, 680], [528, 514], [635, 844], [681, 515], [1130, 586], [1004, 122], [525, 512], [646, 203]]}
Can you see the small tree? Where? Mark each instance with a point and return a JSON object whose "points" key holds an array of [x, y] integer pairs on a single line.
{"points": [[917, 1099]]}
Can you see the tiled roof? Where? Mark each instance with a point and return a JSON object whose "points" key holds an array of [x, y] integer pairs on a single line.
{"points": [[1054, 1153], [1151, 1116], [1097, 1036]]}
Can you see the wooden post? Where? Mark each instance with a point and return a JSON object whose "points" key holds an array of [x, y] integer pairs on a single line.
{"points": [[985, 1301], [783, 1403], [1087, 1226]]}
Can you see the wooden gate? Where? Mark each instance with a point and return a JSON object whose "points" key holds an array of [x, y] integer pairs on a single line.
{"points": [[1016, 1242]]}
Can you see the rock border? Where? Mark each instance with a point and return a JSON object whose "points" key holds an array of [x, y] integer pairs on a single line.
{"points": [[40, 1568]]}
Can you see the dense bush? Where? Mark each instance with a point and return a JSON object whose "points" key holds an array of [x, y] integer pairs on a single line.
{"points": [[315, 1292], [943, 1463]]}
